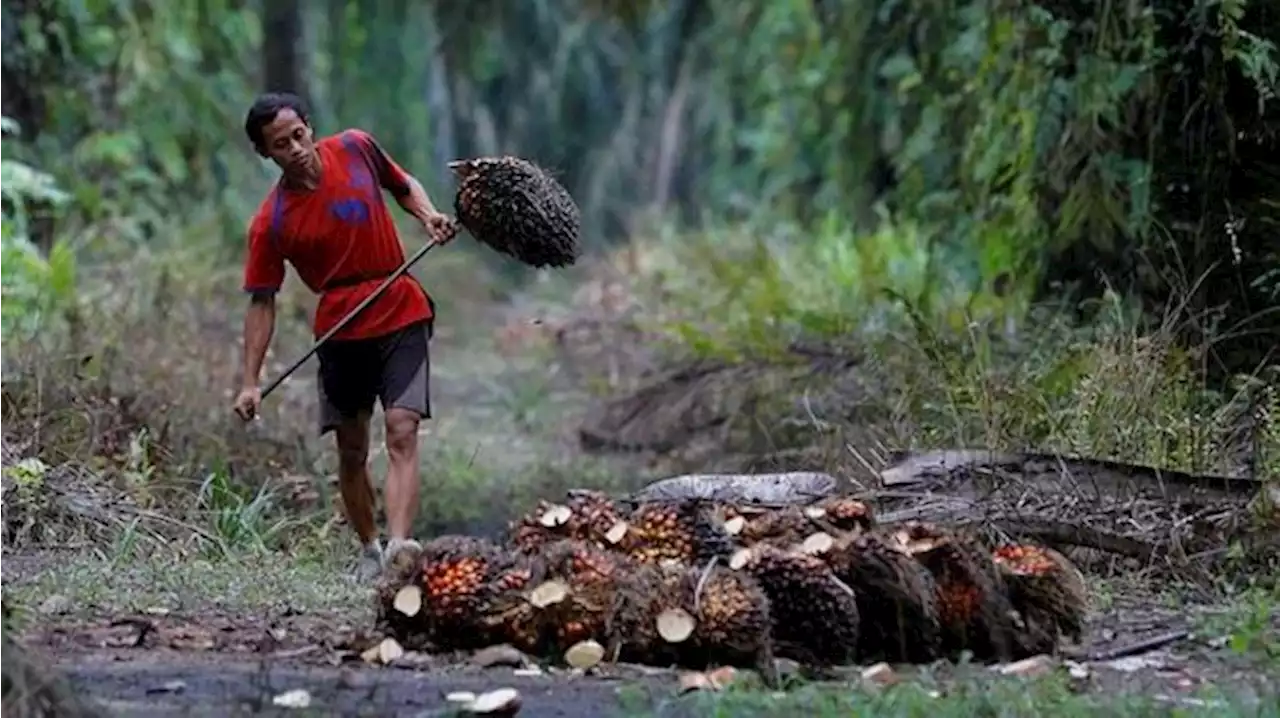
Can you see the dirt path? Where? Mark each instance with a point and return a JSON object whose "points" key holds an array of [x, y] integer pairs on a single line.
{"points": [[215, 662], [165, 685]]}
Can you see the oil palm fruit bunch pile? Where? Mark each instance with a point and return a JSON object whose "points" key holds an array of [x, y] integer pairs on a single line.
{"points": [[732, 617], [677, 531], [569, 598], [694, 617], [674, 532], [588, 516], [445, 597], [696, 583], [518, 209], [791, 525]]}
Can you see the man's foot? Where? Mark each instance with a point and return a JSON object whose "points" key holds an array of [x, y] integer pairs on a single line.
{"points": [[370, 565], [400, 553]]}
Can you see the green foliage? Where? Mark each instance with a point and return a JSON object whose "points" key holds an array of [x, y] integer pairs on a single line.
{"points": [[967, 693], [1248, 625], [240, 519], [952, 366], [967, 110], [753, 294], [36, 288], [132, 104], [1020, 132]]}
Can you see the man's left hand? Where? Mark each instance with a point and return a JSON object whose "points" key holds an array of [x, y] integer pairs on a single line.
{"points": [[440, 227]]}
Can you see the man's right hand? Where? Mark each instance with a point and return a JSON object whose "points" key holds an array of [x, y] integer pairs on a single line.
{"points": [[247, 401]]}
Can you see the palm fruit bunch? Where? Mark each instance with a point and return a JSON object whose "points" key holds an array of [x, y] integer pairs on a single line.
{"points": [[596, 518], [398, 602], [896, 596], [789, 526], [589, 516], [567, 598], [445, 597], [643, 595], [814, 615], [973, 609], [731, 618], [782, 527], [679, 532], [1048, 593], [843, 513], [518, 209]]}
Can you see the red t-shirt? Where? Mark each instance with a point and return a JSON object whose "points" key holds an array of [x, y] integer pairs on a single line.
{"points": [[340, 239]]}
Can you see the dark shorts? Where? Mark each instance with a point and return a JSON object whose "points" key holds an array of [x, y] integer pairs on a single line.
{"points": [[393, 369]]}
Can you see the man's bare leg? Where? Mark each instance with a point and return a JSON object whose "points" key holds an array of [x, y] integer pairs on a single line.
{"points": [[357, 490], [402, 477]]}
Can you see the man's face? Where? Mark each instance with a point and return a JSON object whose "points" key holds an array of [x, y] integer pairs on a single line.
{"points": [[288, 141]]}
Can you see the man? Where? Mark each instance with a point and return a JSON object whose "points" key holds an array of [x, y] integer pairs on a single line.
{"points": [[326, 216]]}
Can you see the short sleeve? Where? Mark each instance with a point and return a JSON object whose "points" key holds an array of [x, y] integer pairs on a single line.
{"points": [[264, 264], [391, 176]]}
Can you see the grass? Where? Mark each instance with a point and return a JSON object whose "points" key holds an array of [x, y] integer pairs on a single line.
{"points": [[1248, 625], [974, 695], [90, 586]]}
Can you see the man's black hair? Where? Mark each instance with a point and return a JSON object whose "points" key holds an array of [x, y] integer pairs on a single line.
{"points": [[266, 107]]}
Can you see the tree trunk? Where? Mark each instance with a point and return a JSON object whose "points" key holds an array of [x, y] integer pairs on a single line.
{"points": [[337, 61], [282, 69]]}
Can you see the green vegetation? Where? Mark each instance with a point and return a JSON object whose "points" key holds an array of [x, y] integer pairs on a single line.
{"points": [[976, 696], [947, 373]]}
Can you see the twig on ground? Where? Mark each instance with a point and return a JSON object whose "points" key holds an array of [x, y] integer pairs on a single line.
{"points": [[1143, 646]]}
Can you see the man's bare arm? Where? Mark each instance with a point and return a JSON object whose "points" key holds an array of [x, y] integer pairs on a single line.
{"points": [[416, 202], [259, 325], [408, 191]]}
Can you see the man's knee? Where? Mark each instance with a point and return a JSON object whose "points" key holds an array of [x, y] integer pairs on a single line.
{"points": [[402, 431], [353, 443]]}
